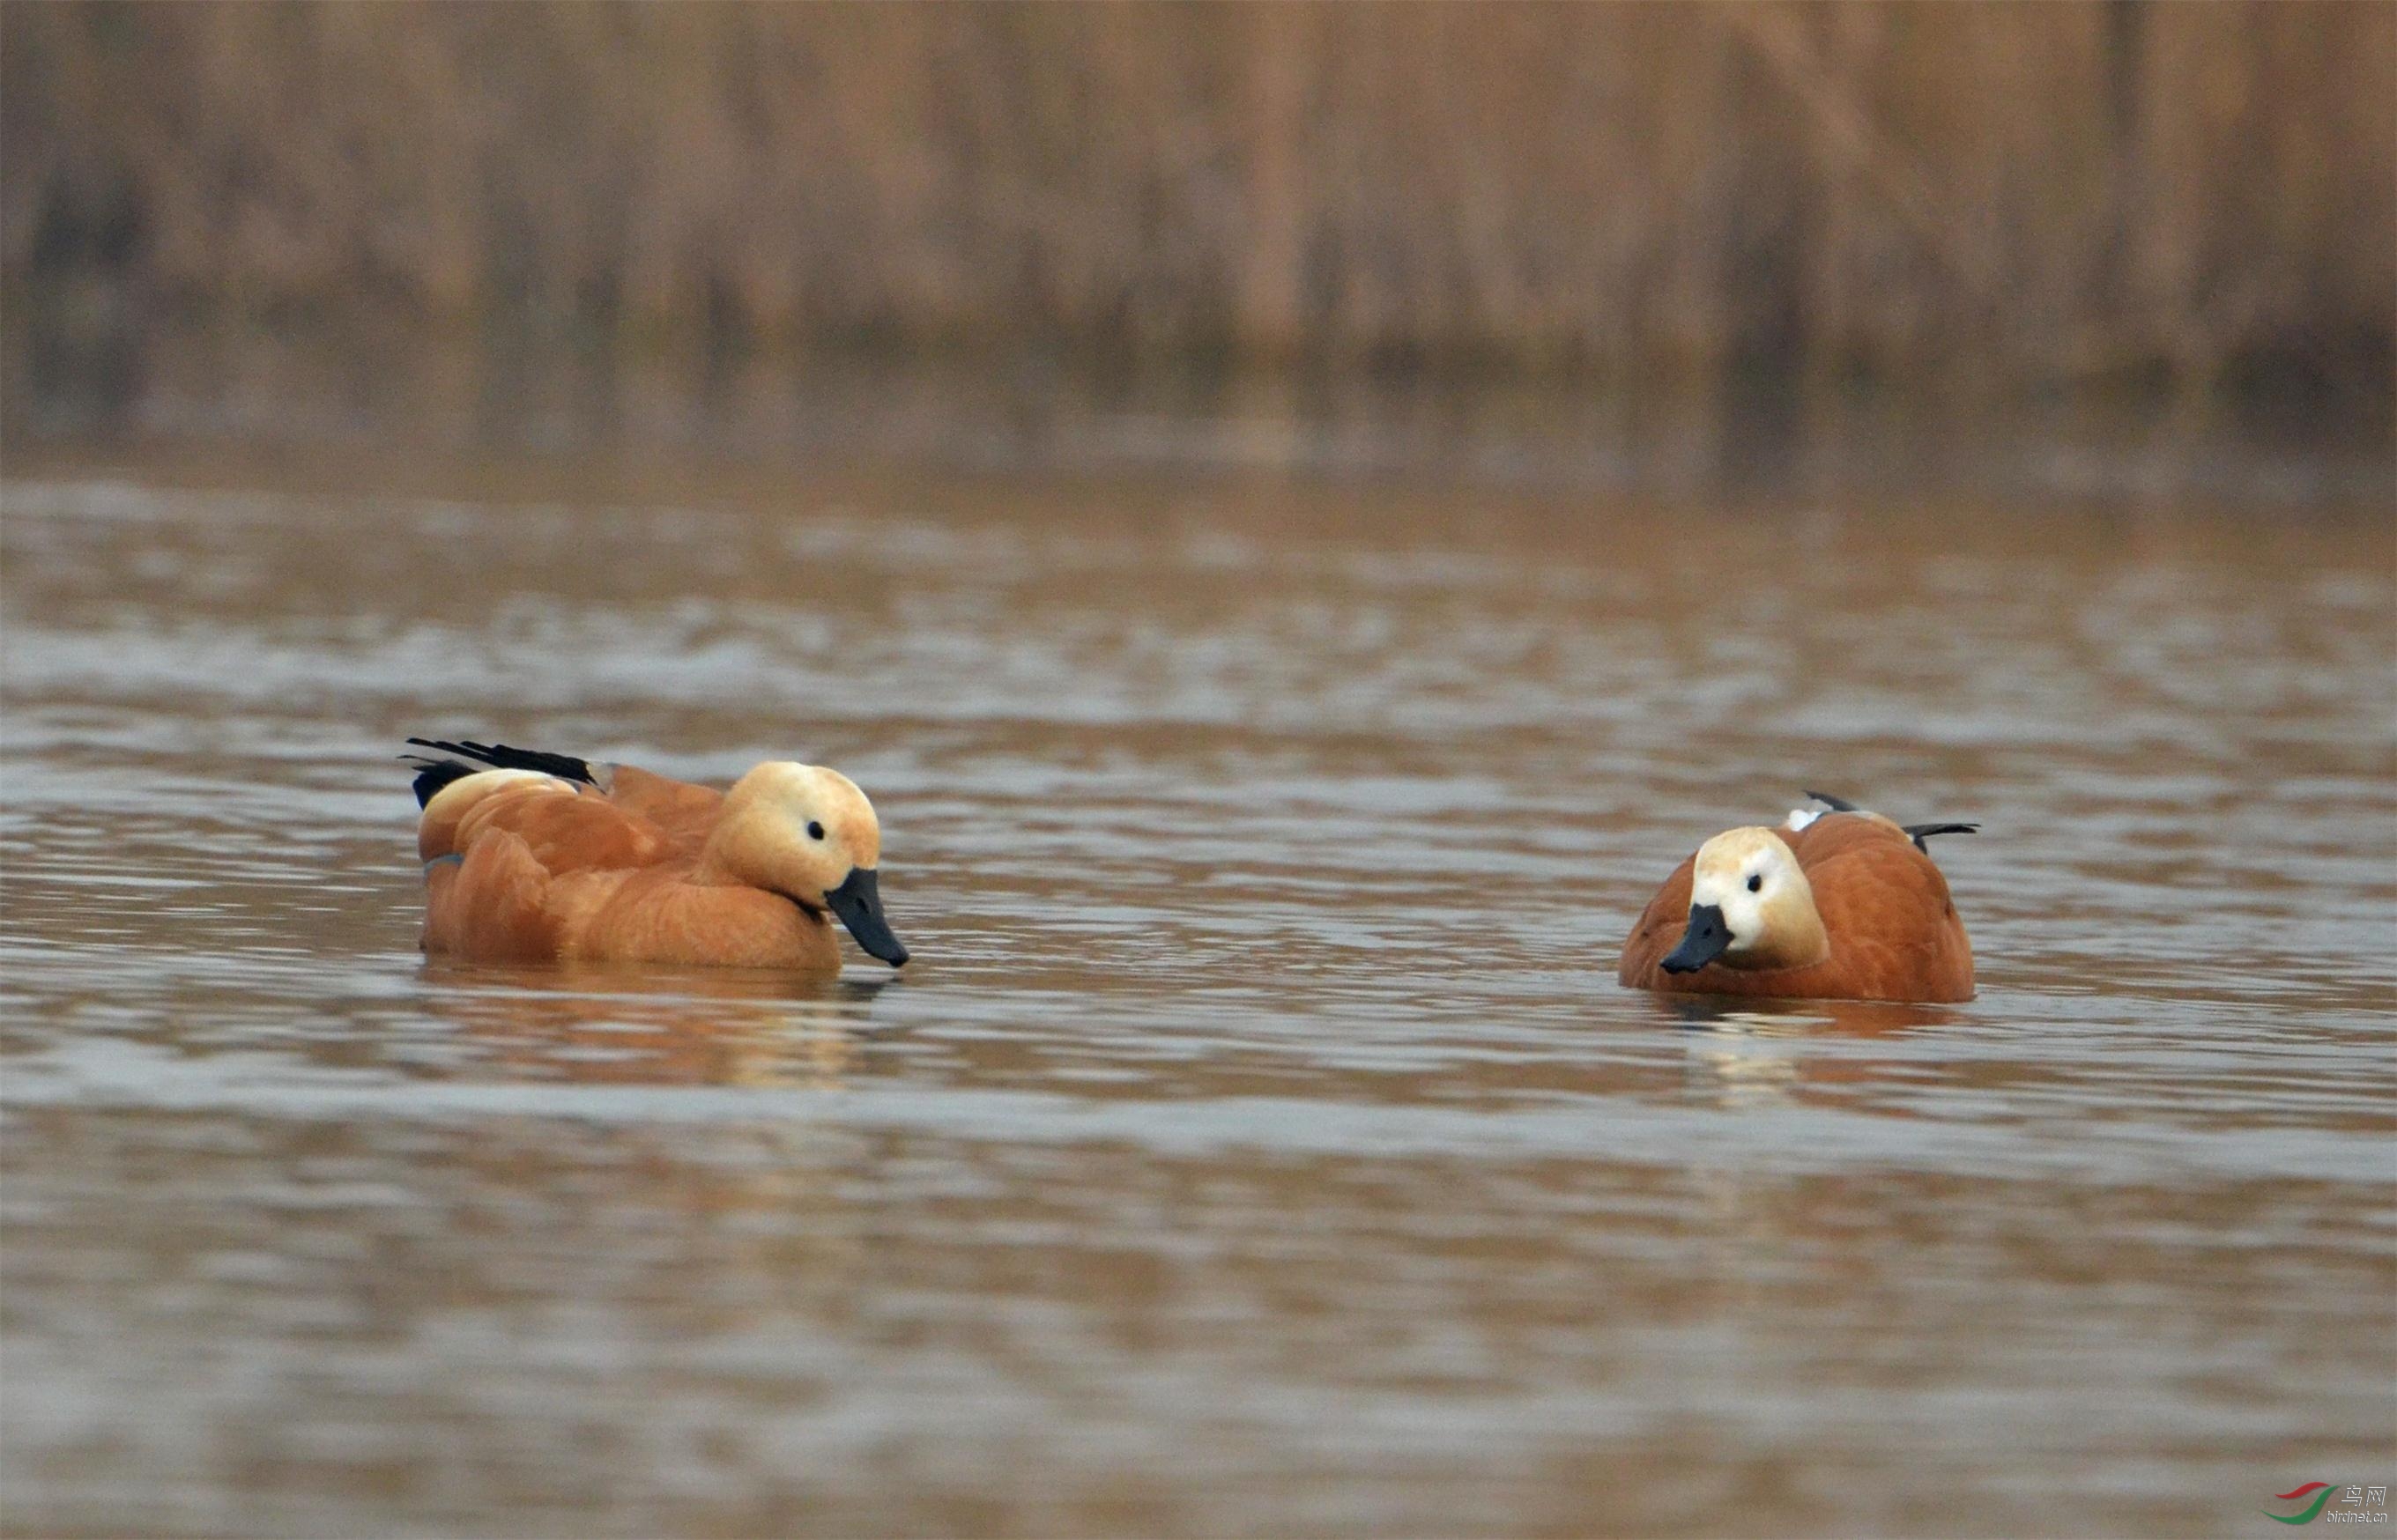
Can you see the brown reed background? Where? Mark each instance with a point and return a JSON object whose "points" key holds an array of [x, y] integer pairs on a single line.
{"points": [[2196, 195]]}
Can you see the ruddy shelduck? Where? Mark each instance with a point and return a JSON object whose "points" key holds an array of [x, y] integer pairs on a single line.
{"points": [[532, 857], [1842, 904]]}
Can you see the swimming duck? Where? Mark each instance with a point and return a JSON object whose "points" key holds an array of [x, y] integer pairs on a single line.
{"points": [[533, 857], [1833, 905]]}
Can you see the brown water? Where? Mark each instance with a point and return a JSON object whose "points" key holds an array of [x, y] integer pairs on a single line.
{"points": [[1260, 1144]]}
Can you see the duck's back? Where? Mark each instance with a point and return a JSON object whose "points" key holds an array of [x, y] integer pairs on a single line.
{"points": [[685, 812]]}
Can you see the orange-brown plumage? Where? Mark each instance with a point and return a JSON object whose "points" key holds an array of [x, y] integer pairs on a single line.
{"points": [[623, 865], [1888, 928]]}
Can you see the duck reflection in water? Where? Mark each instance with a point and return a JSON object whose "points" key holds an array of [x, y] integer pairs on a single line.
{"points": [[661, 1026], [1771, 1052]]}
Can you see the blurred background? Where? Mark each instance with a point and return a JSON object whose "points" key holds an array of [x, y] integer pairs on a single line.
{"points": [[1572, 240], [1299, 516]]}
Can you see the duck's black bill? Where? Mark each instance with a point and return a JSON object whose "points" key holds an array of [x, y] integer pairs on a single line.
{"points": [[858, 901], [1702, 943]]}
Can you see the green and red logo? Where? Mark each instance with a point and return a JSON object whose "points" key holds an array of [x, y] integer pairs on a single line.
{"points": [[2319, 1491]]}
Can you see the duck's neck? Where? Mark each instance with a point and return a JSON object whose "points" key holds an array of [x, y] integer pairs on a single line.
{"points": [[720, 863]]}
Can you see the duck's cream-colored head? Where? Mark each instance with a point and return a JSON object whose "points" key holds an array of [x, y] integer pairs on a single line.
{"points": [[1750, 907], [809, 835]]}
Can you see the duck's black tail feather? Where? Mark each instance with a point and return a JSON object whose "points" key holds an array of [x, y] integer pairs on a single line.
{"points": [[1920, 832], [1836, 804], [434, 774]]}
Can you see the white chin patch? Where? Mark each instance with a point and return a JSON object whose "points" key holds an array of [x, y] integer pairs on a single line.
{"points": [[1801, 817]]}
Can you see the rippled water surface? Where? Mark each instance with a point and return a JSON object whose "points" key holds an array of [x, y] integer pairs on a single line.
{"points": [[1259, 1143]]}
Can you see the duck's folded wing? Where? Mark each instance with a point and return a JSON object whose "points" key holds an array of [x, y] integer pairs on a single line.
{"points": [[565, 827], [1895, 933]]}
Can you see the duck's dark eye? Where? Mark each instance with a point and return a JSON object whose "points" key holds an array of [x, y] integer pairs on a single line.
{"points": [[815, 831], [1756, 883]]}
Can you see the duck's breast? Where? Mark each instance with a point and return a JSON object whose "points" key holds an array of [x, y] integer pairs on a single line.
{"points": [[661, 916], [1658, 932]]}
